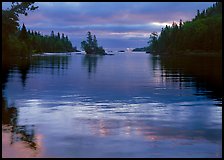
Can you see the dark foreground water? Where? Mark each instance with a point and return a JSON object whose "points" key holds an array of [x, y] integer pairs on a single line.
{"points": [[124, 105]]}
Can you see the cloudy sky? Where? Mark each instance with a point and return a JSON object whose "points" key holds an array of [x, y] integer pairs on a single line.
{"points": [[117, 25]]}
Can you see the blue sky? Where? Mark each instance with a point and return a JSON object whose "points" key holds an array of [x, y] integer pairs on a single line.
{"points": [[117, 25]]}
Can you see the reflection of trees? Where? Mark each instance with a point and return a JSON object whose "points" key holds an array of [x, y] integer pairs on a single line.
{"points": [[5, 73], [9, 64], [23, 133], [206, 72], [90, 62], [23, 67], [54, 62], [155, 62]]}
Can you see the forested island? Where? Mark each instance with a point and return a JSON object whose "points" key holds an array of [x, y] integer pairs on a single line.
{"points": [[90, 46], [21, 42], [202, 34]]}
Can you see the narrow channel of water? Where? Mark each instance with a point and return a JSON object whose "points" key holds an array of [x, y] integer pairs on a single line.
{"points": [[123, 105]]}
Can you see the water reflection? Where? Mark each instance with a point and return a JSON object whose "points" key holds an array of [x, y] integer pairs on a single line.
{"points": [[25, 133], [56, 63], [125, 110], [35, 64], [204, 73], [77, 126], [24, 67], [149, 123], [5, 75], [90, 62], [18, 141]]}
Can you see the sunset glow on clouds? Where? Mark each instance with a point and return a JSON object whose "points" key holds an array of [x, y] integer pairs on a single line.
{"points": [[116, 24]]}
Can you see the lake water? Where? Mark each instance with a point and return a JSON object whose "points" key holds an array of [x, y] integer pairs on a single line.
{"points": [[122, 105]]}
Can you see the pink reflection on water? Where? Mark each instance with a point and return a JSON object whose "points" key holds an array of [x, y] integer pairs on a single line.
{"points": [[19, 148]]}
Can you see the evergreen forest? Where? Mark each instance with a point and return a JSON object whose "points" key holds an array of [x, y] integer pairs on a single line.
{"points": [[90, 46], [202, 34], [18, 41]]}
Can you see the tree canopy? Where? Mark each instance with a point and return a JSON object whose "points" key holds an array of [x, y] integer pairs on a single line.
{"points": [[203, 33], [90, 46], [20, 42]]}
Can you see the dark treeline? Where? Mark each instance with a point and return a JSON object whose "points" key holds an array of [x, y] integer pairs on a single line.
{"points": [[90, 46], [52, 43], [203, 33], [20, 42]]}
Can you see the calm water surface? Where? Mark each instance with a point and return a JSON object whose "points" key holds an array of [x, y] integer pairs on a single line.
{"points": [[124, 105]]}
